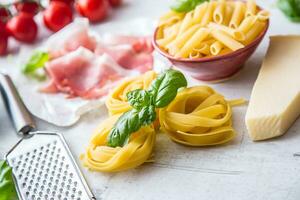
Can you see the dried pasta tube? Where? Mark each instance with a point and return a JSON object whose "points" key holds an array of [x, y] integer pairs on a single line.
{"points": [[219, 12], [203, 48], [170, 17], [228, 15], [238, 14], [254, 32], [227, 40], [192, 42], [247, 24], [263, 15], [235, 33], [208, 15], [250, 8], [195, 54], [199, 12], [187, 22], [216, 48], [181, 39]]}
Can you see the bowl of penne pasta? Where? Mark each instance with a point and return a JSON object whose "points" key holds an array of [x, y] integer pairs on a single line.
{"points": [[212, 41]]}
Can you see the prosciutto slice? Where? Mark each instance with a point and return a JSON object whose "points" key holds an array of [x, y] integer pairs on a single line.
{"points": [[82, 73], [70, 38], [130, 52]]}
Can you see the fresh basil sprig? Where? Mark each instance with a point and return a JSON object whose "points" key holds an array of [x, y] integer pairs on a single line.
{"points": [[35, 63], [291, 8], [186, 5], [144, 103], [7, 186], [164, 87]]}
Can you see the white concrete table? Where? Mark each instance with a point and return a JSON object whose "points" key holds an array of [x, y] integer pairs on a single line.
{"points": [[240, 170]]}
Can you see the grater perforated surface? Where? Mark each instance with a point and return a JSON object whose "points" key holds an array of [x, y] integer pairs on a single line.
{"points": [[46, 171]]}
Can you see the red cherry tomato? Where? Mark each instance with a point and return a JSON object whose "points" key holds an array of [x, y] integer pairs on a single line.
{"points": [[69, 2], [3, 39], [4, 14], [29, 7], [115, 3], [22, 27], [57, 15], [94, 10]]}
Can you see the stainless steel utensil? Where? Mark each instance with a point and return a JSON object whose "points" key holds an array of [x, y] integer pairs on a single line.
{"points": [[43, 166]]}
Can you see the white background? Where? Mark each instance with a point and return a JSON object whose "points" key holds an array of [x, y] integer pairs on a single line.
{"points": [[240, 170]]}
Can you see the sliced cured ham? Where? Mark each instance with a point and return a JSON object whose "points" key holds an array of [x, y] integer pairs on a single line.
{"points": [[82, 73], [130, 52], [70, 38]]}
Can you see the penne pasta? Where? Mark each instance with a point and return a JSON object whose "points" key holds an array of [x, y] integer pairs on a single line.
{"points": [[235, 33], [187, 22], [213, 28], [247, 24], [170, 17], [254, 32], [219, 12], [195, 40], [216, 48], [228, 15], [199, 12], [203, 48], [208, 15], [227, 40], [263, 15], [250, 8], [181, 39], [225, 51], [195, 54], [237, 15]]}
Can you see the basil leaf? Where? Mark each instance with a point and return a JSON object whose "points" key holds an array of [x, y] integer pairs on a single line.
{"points": [[164, 88], [186, 5], [147, 115], [291, 9], [36, 61], [138, 98], [128, 123], [7, 186]]}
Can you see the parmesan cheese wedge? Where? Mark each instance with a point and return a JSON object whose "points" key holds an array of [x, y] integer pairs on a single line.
{"points": [[275, 100]]}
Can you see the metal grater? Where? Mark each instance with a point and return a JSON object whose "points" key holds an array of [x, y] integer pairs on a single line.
{"points": [[43, 166]]}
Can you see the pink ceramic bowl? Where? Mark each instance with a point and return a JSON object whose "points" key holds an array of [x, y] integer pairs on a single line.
{"points": [[217, 68]]}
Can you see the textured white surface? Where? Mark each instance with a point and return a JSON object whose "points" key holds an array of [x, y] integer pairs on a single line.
{"points": [[240, 170]]}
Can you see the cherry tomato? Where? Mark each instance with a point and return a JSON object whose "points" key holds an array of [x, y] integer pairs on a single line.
{"points": [[27, 6], [94, 10], [22, 27], [69, 2], [3, 38], [57, 15], [4, 14], [115, 3]]}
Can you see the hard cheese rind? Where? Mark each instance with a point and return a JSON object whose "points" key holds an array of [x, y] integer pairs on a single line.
{"points": [[275, 100]]}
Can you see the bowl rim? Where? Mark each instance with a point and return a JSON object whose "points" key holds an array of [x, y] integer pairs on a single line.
{"points": [[213, 58]]}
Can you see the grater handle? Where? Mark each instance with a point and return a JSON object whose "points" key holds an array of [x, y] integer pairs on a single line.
{"points": [[17, 111]]}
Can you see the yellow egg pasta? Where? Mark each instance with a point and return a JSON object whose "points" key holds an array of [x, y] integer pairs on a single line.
{"points": [[100, 157], [231, 25], [198, 116], [116, 102]]}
